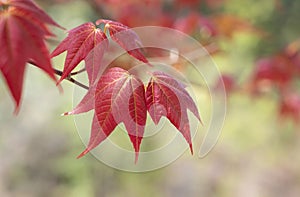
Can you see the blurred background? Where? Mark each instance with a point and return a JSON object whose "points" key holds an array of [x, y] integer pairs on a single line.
{"points": [[256, 47]]}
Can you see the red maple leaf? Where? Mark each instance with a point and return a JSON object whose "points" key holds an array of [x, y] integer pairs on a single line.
{"points": [[82, 44], [88, 42], [120, 97], [22, 36], [165, 96], [125, 37]]}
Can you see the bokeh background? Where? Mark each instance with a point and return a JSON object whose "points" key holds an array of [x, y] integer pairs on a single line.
{"points": [[255, 45]]}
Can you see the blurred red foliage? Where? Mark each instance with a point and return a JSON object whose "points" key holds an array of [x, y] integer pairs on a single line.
{"points": [[290, 107], [227, 82], [280, 72]]}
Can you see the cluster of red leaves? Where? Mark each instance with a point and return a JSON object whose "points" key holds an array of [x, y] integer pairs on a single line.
{"points": [[280, 72], [83, 43], [118, 96], [122, 97], [23, 29]]}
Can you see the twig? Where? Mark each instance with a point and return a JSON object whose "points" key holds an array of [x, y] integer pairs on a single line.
{"points": [[77, 72], [72, 80], [69, 78]]}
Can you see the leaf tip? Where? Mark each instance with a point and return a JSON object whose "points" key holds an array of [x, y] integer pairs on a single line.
{"points": [[66, 113], [191, 148], [59, 81], [149, 64], [83, 153], [60, 89], [17, 110]]}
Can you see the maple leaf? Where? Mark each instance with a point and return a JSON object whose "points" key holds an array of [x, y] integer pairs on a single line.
{"points": [[118, 97], [23, 28], [82, 44], [165, 96], [125, 37], [29, 10]]}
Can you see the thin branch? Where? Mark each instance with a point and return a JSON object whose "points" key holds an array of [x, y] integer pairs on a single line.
{"points": [[69, 78], [72, 80], [77, 72]]}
